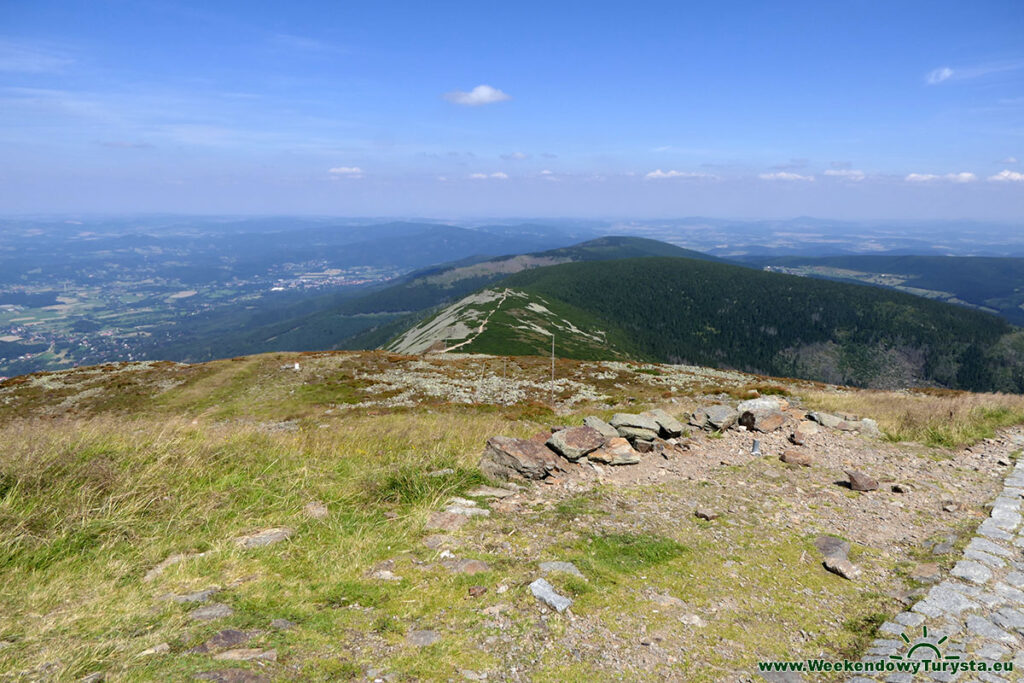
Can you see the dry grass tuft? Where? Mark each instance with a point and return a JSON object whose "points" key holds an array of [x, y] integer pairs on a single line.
{"points": [[946, 419]]}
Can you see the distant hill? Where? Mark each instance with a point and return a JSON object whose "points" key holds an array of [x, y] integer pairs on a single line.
{"points": [[707, 313], [434, 286], [369, 319], [987, 283]]}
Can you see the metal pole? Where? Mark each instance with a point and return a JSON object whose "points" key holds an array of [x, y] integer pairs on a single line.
{"points": [[552, 370]]}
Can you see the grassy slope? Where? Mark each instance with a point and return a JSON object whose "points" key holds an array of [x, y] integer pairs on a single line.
{"points": [[165, 459]]}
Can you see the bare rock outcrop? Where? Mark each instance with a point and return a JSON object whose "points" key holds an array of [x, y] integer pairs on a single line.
{"points": [[506, 458]]}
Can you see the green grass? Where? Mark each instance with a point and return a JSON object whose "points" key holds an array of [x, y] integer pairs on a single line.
{"points": [[91, 502]]}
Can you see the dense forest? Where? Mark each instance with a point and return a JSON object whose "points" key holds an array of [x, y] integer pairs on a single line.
{"points": [[705, 313], [992, 282]]}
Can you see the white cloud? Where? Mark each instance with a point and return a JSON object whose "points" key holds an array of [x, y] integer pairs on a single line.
{"points": [[845, 173], [945, 73], [783, 175], [498, 175], [931, 177], [515, 156], [481, 94], [659, 174], [1007, 176], [939, 75], [1010, 160], [346, 172]]}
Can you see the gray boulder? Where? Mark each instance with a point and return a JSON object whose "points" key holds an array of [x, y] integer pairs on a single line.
{"points": [[575, 442], [765, 404], [615, 451], [635, 434], [506, 458], [721, 417], [606, 430], [762, 421], [545, 592], [861, 482], [636, 422], [825, 419], [670, 426]]}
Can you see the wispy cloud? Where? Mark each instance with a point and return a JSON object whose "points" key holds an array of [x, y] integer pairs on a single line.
{"points": [[783, 175], [481, 94], [497, 175], [515, 156], [931, 177], [1009, 160], [658, 174], [946, 74], [346, 172], [1007, 176], [845, 173], [26, 58], [939, 75]]}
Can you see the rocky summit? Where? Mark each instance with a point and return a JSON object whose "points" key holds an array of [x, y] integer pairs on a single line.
{"points": [[372, 516]]}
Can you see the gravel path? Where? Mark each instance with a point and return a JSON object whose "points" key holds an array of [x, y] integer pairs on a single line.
{"points": [[978, 612]]}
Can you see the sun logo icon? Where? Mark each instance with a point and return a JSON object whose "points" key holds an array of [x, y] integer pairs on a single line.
{"points": [[924, 645]]}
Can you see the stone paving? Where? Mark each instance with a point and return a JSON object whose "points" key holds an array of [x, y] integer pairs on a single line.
{"points": [[977, 613]]}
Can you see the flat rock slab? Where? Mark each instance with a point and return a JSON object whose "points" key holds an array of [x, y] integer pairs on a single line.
{"points": [[263, 538], [217, 610], [762, 422], [506, 458], [645, 422], [842, 566], [575, 442], [198, 596], [422, 638], [566, 567], [972, 571], [248, 654], [490, 492], [606, 430], [545, 592], [826, 419], [615, 451], [831, 546], [721, 417], [233, 676], [670, 426]]}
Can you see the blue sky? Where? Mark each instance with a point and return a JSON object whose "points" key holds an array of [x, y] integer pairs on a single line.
{"points": [[453, 109]]}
